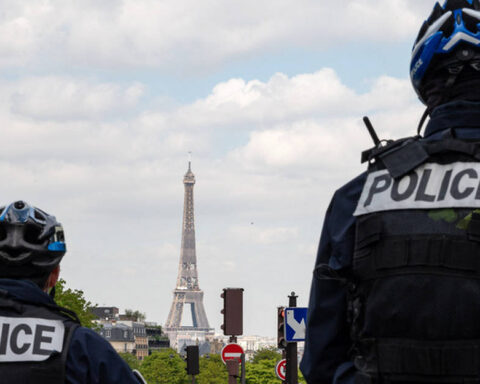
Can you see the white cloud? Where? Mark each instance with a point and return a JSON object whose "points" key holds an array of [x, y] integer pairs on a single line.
{"points": [[283, 100], [66, 98], [305, 126], [189, 34]]}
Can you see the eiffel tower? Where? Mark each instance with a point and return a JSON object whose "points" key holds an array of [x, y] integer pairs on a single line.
{"points": [[187, 291]]}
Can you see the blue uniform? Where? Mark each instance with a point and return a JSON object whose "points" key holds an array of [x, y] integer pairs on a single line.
{"points": [[91, 359], [326, 358]]}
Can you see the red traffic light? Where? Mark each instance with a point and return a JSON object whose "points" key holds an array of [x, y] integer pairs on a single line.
{"points": [[281, 342]]}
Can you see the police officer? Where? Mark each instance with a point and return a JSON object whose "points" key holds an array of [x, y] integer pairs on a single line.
{"points": [[40, 342], [395, 296]]}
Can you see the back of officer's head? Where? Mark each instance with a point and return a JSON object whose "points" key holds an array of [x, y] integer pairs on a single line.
{"points": [[445, 63], [32, 243]]}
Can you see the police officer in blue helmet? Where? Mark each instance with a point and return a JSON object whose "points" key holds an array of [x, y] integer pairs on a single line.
{"points": [[40, 342], [395, 296]]}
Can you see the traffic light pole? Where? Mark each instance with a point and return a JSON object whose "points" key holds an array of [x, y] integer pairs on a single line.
{"points": [[291, 351], [233, 365], [242, 373], [232, 368]]}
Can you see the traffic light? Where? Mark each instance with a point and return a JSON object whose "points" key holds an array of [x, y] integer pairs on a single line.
{"points": [[281, 342], [193, 366], [232, 311]]}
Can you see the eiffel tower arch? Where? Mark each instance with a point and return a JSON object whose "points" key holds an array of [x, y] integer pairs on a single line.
{"points": [[187, 292]]}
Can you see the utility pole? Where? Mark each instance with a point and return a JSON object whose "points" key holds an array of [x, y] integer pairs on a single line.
{"points": [[291, 351]]}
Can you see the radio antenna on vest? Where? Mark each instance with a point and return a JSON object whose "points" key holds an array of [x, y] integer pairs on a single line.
{"points": [[371, 130]]}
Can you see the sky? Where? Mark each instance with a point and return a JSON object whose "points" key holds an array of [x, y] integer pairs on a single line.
{"points": [[101, 102]]}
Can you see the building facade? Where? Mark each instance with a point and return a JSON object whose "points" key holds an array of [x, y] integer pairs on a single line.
{"points": [[120, 336], [128, 336]]}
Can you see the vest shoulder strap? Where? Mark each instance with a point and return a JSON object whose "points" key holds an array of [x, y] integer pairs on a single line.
{"points": [[402, 156]]}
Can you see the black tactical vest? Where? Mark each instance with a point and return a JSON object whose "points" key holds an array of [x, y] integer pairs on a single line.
{"points": [[415, 297], [34, 342]]}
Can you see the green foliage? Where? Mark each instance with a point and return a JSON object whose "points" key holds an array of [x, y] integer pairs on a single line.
{"points": [[136, 315], [301, 379], [164, 367], [156, 327], [262, 372], [212, 370], [74, 300], [168, 367], [270, 353], [131, 360]]}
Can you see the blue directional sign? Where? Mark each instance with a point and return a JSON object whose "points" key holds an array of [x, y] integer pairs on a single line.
{"points": [[295, 320]]}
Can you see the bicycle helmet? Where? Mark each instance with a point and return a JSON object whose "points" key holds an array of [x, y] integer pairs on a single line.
{"points": [[32, 242], [449, 38]]}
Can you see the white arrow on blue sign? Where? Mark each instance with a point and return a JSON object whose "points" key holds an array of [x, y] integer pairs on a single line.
{"points": [[295, 319]]}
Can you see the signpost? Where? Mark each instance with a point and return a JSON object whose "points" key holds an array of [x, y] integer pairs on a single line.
{"points": [[291, 371], [281, 369], [232, 352], [295, 319]]}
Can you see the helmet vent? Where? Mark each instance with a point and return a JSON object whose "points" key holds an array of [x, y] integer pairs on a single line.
{"points": [[437, 12], [470, 22], [38, 215], [3, 233], [451, 5], [32, 234], [448, 27]]}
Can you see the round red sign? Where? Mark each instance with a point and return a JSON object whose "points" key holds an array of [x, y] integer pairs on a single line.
{"points": [[231, 352], [281, 369]]}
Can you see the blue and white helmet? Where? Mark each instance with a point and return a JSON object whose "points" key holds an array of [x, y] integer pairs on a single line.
{"points": [[453, 24], [32, 242]]}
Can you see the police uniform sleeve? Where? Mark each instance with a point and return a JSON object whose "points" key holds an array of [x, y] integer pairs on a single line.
{"points": [[92, 360], [327, 341]]}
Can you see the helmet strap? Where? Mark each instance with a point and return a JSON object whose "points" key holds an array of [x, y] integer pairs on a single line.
{"points": [[426, 113]]}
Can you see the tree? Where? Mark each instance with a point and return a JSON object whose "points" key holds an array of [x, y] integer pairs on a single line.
{"points": [[130, 359], [262, 372], [164, 367], [74, 300], [135, 315], [212, 370], [270, 353]]}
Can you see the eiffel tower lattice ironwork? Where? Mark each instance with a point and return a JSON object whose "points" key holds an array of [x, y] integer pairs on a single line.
{"points": [[187, 291]]}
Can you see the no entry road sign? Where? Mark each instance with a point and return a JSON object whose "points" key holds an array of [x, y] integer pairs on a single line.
{"points": [[281, 369], [231, 352]]}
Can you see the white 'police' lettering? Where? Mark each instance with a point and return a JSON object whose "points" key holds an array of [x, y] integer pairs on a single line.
{"points": [[430, 186], [29, 339]]}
